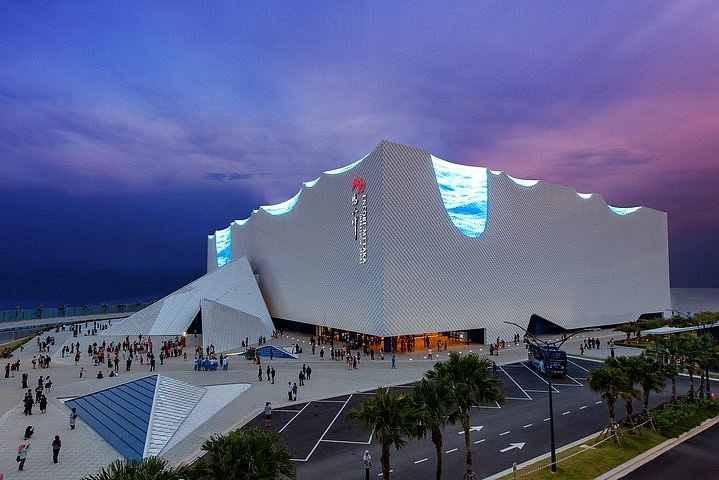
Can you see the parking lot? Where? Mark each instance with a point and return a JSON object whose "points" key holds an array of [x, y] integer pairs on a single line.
{"points": [[321, 438]]}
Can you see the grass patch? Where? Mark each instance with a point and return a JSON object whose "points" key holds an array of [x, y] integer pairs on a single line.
{"points": [[592, 462], [15, 344], [635, 344]]}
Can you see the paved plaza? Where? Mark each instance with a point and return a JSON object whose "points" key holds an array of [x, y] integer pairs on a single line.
{"points": [[84, 451]]}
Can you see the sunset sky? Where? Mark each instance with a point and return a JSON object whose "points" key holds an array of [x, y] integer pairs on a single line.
{"points": [[129, 131]]}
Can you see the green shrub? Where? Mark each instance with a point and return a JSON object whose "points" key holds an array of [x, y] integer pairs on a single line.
{"points": [[673, 420]]}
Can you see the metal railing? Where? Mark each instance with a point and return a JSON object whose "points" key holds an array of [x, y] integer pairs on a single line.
{"points": [[40, 312]]}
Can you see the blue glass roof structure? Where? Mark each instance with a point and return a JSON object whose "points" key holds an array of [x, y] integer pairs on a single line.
{"points": [[264, 351], [120, 414]]}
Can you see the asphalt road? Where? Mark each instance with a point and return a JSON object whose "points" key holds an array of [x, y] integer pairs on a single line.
{"points": [[322, 440], [693, 458]]}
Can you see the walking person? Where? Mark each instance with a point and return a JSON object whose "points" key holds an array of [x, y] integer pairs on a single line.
{"points": [[366, 463], [22, 455], [56, 444], [73, 418], [289, 391], [394, 359], [268, 414], [259, 373], [294, 392], [273, 375]]}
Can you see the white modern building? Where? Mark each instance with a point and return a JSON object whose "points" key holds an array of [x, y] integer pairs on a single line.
{"points": [[401, 242]]}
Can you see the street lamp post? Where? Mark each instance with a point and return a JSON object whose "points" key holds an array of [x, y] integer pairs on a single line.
{"points": [[558, 344]]}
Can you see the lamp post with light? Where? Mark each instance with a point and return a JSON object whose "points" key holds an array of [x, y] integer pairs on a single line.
{"points": [[558, 344]]}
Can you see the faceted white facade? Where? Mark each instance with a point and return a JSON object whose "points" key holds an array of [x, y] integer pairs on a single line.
{"points": [[401, 242]]}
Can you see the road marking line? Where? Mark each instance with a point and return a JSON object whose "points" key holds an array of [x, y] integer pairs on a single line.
{"points": [[566, 413], [578, 383], [527, 425], [296, 415], [380, 474], [577, 365], [480, 441], [539, 376], [326, 430], [452, 451], [420, 461], [520, 387], [546, 420], [504, 433], [582, 407], [598, 402], [346, 441]]}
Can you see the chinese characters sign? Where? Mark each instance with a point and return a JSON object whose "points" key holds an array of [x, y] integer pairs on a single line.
{"points": [[359, 216]]}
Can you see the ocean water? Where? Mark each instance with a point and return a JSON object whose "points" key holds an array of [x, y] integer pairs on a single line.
{"points": [[695, 299]]}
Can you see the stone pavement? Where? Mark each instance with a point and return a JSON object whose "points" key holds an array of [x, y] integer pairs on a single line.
{"points": [[84, 451]]}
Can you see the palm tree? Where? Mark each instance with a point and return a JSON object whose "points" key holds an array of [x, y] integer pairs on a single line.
{"points": [[392, 415], [651, 377], [690, 350], [430, 397], [151, 468], [630, 367], [671, 348], [707, 350], [245, 455], [609, 382], [468, 385]]}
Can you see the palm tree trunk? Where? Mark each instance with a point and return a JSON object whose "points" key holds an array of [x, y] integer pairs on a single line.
{"points": [[610, 408], [385, 461], [437, 440], [701, 383], [691, 383], [467, 444], [674, 389], [645, 401]]}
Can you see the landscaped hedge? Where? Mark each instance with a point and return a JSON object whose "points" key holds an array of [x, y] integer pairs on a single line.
{"points": [[673, 420]]}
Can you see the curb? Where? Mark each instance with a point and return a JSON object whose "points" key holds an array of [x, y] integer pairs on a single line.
{"points": [[646, 457]]}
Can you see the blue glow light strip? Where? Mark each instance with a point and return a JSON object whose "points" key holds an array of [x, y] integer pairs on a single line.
{"points": [[464, 192], [522, 182], [282, 208], [311, 183], [585, 196], [623, 211], [337, 171], [223, 240]]}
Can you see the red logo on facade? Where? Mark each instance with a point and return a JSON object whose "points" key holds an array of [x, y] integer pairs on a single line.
{"points": [[358, 185]]}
